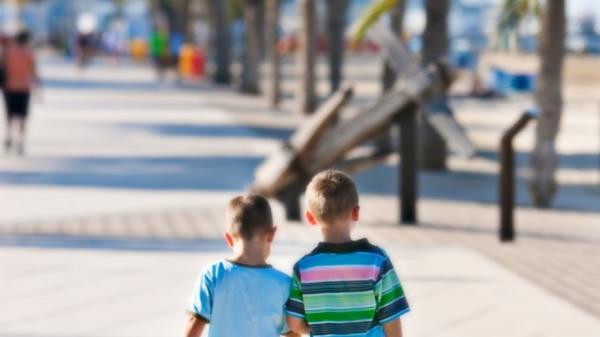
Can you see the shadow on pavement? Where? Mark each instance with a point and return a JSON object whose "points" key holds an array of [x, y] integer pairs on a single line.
{"points": [[217, 131], [89, 84], [582, 161], [146, 173], [131, 243], [108, 243], [86, 84], [565, 238], [226, 173]]}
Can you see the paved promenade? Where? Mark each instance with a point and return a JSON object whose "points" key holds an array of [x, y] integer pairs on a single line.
{"points": [[119, 203]]}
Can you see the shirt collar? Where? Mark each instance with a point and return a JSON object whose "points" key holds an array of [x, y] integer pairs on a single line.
{"points": [[344, 247]]}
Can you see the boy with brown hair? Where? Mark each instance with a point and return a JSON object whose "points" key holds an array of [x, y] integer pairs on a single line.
{"points": [[343, 287], [242, 295]]}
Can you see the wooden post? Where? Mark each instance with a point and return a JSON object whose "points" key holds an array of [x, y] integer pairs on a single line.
{"points": [[290, 197], [407, 175]]}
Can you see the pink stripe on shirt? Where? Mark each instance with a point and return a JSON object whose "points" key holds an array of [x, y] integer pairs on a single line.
{"points": [[339, 274]]}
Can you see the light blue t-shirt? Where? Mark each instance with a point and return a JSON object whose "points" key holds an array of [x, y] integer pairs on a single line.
{"points": [[241, 300]]}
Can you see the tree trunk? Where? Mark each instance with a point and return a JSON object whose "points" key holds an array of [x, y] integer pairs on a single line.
{"points": [[221, 41], [388, 77], [544, 159], [336, 25], [251, 60], [261, 18], [307, 57], [383, 142], [433, 150], [274, 62]]}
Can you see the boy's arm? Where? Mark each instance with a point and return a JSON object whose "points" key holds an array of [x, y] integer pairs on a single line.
{"points": [[391, 302], [194, 326], [297, 325], [393, 328], [200, 304]]}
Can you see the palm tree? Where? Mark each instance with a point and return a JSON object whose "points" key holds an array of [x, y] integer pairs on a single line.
{"points": [[433, 149], [176, 13], [274, 62], [544, 160], [388, 77], [336, 23], [251, 60], [221, 41], [548, 96], [307, 57]]}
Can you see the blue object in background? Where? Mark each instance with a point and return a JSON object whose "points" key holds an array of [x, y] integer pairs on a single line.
{"points": [[466, 60], [175, 43], [506, 83]]}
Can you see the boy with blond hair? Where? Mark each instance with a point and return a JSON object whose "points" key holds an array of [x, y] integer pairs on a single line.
{"points": [[243, 295], [343, 287]]}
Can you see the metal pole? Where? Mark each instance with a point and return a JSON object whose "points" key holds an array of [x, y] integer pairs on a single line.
{"points": [[507, 176], [408, 168]]}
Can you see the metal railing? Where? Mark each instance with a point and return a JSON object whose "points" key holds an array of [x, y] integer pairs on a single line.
{"points": [[507, 175]]}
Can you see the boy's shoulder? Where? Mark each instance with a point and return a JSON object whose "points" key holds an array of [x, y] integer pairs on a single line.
{"points": [[278, 275], [221, 268], [358, 247]]}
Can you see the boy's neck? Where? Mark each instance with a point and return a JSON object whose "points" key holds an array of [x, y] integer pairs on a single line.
{"points": [[336, 233], [250, 254]]}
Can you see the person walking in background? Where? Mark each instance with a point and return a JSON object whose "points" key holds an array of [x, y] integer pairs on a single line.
{"points": [[159, 50], [20, 76]]}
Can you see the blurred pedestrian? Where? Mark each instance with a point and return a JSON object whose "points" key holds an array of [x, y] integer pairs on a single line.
{"points": [[86, 38], [159, 50], [20, 76], [85, 49]]}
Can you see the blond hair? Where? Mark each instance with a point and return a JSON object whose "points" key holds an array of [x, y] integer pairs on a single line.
{"points": [[249, 215], [331, 195]]}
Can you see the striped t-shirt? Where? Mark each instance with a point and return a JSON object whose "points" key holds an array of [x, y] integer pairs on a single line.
{"points": [[346, 289]]}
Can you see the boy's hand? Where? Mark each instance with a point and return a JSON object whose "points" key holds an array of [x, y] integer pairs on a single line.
{"points": [[393, 328], [297, 325], [194, 326]]}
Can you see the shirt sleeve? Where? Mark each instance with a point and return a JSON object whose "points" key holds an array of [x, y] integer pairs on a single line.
{"points": [[201, 300], [391, 302], [295, 305]]}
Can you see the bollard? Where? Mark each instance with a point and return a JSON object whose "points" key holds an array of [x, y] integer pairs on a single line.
{"points": [[408, 168], [507, 176]]}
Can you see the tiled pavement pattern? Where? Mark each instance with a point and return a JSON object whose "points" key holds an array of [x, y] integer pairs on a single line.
{"points": [[567, 263], [114, 293]]}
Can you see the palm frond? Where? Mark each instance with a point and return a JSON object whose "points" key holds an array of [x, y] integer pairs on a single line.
{"points": [[513, 12], [369, 17]]}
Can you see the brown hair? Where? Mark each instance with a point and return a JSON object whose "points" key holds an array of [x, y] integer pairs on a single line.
{"points": [[331, 195], [248, 215]]}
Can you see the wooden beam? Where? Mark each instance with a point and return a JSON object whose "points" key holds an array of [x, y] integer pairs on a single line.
{"points": [[352, 132], [283, 167]]}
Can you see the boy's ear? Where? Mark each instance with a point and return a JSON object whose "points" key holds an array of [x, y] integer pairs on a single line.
{"points": [[271, 234], [355, 213], [311, 218], [228, 239]]}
